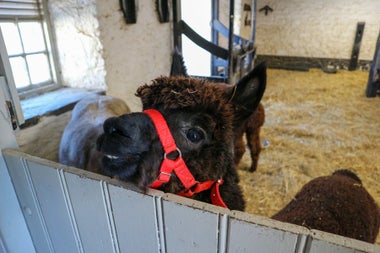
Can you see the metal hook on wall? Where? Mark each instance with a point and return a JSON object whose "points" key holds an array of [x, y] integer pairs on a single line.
{"points": [[162, 9], [267, 9], [128, 7]]}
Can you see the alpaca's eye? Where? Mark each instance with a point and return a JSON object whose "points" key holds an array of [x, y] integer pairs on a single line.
{"points": [[195, 135]]}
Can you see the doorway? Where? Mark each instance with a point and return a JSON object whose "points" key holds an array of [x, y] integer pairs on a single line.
{"points": [[197, 14]]}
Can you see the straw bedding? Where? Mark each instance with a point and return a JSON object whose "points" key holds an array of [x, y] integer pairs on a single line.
{"points": [[315, 123]]}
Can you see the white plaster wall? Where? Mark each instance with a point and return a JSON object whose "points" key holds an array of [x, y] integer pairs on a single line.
{"points": [[239, 15], [134, 54], [76, 30], [323, 28], [224, 12], [245, 31]]}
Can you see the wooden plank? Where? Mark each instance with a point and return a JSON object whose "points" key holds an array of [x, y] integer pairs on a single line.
{"points": [[318, 246], [88, 204], [189, 229], [28, 201], [246, 237], [53, 204], [135, 220], [356, 47], [331, 243]]}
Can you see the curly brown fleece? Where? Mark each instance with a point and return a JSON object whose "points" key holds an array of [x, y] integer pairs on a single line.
{"points": [[337, 204]]}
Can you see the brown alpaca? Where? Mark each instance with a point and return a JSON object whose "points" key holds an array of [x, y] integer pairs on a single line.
{"points": [[337, 204], [251, 129], [201, 117]]}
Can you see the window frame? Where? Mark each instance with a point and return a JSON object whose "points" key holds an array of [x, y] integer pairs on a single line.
{"points": [[50, 51]]}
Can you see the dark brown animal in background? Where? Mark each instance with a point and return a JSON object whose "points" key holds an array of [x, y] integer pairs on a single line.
{"points": [[78, 142], [201, 116], [338, 204], [250, 128]]}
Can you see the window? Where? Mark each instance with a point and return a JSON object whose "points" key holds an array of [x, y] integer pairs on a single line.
{"points": [[26, 38]]}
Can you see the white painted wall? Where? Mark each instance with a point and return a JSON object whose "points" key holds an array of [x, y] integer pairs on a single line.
{"points": [[98, 50], [321, 29], [76, 30], [134, 54], [239, 14], [243, 30]]}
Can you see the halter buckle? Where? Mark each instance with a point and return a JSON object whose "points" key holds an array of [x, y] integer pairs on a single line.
{"points": [[178, 151], [165, 174]]}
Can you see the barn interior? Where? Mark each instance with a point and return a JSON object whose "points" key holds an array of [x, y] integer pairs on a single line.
{"points": [[320, 55]]}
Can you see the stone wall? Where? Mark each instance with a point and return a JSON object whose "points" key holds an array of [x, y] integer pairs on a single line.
{"points": [[76, 32]]}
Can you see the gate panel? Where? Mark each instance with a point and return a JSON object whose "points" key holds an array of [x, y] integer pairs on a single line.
{"points": [[327, 243], [87, 202], [47, 186], [28, 201], [135, 220], [72, 210], [190, 229], [247, 237]]}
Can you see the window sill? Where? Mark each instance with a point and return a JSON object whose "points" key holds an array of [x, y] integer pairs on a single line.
{"points": [[52, 103]]}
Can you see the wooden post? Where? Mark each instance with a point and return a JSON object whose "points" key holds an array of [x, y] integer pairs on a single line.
{"points": [[356, 48]]}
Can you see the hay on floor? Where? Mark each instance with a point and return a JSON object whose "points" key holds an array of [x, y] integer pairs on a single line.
{"points": [[315, 123]]}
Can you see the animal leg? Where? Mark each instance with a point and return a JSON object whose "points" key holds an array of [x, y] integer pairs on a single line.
{"points": [[239, 149], [254, 144]]}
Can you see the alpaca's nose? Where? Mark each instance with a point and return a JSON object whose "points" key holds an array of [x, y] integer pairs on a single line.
{"points": [[114, 126], [109, 125]]}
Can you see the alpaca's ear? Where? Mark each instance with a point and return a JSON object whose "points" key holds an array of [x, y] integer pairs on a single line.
{"points": [[249, 91]]}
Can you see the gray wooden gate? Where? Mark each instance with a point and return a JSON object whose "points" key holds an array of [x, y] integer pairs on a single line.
{"points": [[71, 210]]}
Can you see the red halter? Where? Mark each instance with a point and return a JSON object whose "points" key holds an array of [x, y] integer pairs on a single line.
{"points": [[178, 165]]}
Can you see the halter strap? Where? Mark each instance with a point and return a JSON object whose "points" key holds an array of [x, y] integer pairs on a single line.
{"points": [[216, 198], [168, 165], [178, 164]]}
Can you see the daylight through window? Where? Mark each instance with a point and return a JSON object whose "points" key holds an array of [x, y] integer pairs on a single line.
{"points": [[27, 45]]}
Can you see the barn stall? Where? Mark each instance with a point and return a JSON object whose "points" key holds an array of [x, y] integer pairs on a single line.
{"points": [[279, 174]]}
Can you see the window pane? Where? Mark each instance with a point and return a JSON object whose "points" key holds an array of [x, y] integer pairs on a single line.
{"points": [[20, 73], [32, 36], [38, 68], [11, 38]]}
